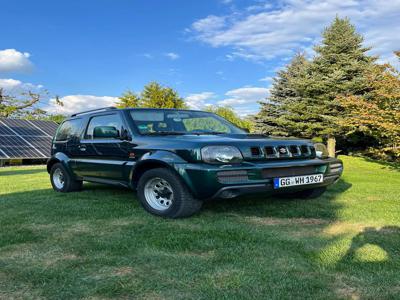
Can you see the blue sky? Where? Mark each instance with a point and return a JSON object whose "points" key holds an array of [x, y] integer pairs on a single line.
{"points": [[218, 52]]}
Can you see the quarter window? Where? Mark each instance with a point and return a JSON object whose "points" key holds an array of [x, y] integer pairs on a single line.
{"points": [[69, 129], [113, 120]]}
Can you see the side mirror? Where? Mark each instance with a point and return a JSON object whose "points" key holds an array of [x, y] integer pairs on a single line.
{"points": [[105, 132]]}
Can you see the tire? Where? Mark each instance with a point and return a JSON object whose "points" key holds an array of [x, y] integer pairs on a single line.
{"points": [[161, 192], [65, 184]]}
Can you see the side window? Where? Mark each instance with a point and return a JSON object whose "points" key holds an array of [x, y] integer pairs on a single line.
{"points": [[113, 120], [68, 130]]}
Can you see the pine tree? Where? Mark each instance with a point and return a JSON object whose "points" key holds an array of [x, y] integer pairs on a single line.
{"points": [[306, 104], [277, 115], [338, 69]]}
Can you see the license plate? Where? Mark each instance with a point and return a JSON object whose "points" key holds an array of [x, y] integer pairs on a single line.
{"points": [[297, 180]]}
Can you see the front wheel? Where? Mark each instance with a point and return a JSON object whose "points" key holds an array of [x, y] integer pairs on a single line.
{"points": [[162, 193], [62, 181]]}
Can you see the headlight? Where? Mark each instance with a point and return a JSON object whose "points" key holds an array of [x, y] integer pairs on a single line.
{"points": [[321, 151], [221, 154]]}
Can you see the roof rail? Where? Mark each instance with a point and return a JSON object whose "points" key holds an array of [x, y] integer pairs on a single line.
{"points": [[94, 110]]}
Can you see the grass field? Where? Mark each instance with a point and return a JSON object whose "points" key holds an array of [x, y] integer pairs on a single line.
{"points": [[99, 243]]}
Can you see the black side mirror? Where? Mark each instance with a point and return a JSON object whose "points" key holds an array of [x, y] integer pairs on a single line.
{"points": [[125, 135], [105, 132]]}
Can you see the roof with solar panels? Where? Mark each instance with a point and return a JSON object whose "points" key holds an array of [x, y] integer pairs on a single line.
{"points": [[25, 139]]}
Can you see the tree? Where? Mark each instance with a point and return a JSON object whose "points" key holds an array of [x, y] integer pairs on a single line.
{"points": [[338, 69], [280, 113], [19, 105], [156, 96], [128, 99], [377, 112], [153, 95], [304, 98], [229, 114]]}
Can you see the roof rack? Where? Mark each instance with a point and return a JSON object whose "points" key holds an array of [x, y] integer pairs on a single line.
{"points": [[94, 110]]}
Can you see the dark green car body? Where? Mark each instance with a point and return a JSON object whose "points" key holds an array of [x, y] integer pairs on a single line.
{"points": [[122, 160]]}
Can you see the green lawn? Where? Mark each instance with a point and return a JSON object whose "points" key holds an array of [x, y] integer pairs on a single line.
{"points": [[100, 243]]}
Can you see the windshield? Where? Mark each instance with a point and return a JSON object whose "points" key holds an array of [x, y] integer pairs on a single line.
{"points": [[181, 122]]}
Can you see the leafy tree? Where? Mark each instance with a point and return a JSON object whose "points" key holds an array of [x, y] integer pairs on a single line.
{"points": [[153, 95], [156, 96], [280, 113], [128, 99], [229, 114], [377, 112], [21, 105]]}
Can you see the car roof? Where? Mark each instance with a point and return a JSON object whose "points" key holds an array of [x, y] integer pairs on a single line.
{"points": [[112, 108]]}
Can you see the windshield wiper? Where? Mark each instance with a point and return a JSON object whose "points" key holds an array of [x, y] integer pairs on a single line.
{"points": [[206, 132], [165, 133]]}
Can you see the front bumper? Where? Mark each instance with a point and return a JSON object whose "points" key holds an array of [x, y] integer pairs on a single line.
{"points": [[206, 182]]}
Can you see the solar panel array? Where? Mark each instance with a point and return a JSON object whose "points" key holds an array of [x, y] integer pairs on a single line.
{"points": [[25, 138]]}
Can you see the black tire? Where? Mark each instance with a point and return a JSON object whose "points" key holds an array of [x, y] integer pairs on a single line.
{"points": [[183, 204], [69, 184]]}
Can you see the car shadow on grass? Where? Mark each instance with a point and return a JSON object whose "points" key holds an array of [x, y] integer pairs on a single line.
{"points": [[6, 172], [268, 205], [385, 165], [371, 264]]}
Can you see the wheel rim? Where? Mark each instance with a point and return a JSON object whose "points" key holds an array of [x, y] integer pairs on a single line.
{"points": [[158, 193], [58, 178]]}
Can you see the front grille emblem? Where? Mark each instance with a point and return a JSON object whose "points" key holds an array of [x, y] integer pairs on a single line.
{"points": [[282, 150]]}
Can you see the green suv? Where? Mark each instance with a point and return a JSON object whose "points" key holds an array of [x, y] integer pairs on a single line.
{"points": [[177, 159]]}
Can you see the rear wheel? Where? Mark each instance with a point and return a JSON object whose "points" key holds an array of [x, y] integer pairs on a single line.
{"points": [[62, 181], [162, 193]]}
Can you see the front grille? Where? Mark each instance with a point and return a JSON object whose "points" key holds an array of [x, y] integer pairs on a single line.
{"points": [[255, 151], [291, 151], [232, 176], [289, 171]]}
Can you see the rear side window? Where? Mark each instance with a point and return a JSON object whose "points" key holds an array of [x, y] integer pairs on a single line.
{"points": [[113, 120], [68, 130]]}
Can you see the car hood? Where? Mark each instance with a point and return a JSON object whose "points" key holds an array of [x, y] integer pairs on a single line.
{"points": [[226, 139]]}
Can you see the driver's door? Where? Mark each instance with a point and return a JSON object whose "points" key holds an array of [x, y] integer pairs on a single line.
{"points": [[103, 157]]}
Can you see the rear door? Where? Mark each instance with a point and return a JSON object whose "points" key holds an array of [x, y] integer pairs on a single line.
{"points": [[104, 158], [66, 139]]}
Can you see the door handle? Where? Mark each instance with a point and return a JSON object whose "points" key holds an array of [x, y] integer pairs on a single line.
{"points": [[82, 148]]}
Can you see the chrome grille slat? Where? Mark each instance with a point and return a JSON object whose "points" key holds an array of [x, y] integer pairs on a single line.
{"points": [[282, 152]]}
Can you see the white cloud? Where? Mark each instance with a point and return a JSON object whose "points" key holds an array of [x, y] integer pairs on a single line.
{"points": [[12, 60], [198, 101], [244, 96], [14, 86], [77, 103], [208, 26], [266, 79], [265, 32], [172, 55], [148, 55]]}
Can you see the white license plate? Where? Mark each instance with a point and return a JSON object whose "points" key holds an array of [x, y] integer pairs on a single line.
{"points": [[297, 180]]}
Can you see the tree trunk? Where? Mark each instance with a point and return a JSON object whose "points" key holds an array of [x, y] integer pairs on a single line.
{"points": [[331, 146]]}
